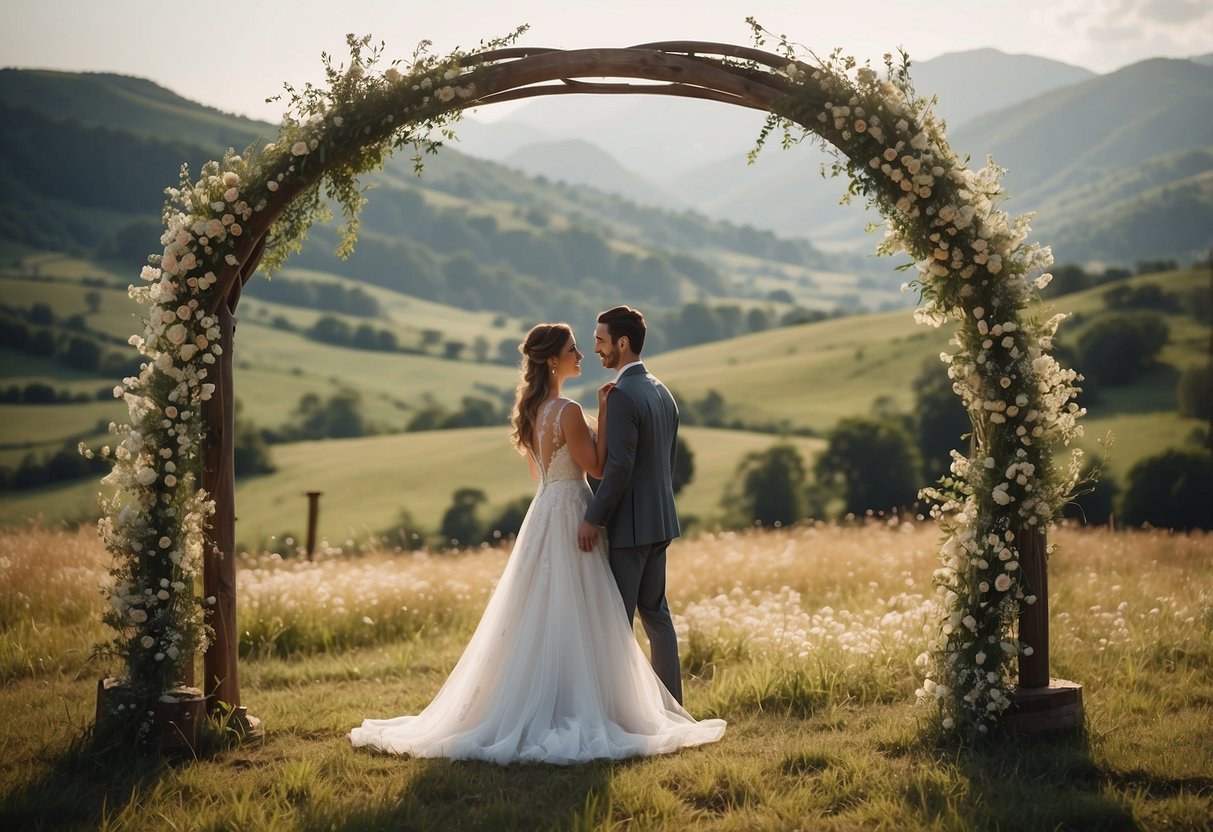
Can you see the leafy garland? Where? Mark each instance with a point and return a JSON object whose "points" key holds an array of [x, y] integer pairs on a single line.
{"points": [[973, 264], [155, 517]]}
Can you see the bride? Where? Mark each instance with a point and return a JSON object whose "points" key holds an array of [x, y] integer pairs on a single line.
{"points": [[553, 672]]}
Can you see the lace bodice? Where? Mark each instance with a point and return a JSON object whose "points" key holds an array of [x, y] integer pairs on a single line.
{"points": [[554, 461]]}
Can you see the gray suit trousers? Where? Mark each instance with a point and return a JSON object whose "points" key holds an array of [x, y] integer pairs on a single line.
{"points": [[640, 575]]}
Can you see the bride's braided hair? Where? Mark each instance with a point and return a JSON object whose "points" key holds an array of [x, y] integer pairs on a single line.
{"points": [[544, 341]]}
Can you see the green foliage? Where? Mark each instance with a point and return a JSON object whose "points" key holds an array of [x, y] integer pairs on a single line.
{"points": [[251, 451], [406, 533], [939, 421], [873, 463], [684, 465], [508, 521], [1172, 490], [1117, 348], [334, 418], [327, 295], [769, 487], [461, 524], [1096, 495], [1195, 391], [1143, 296]]}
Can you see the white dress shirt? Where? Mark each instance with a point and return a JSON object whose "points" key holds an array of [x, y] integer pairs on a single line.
{"points": [[627, 367]]}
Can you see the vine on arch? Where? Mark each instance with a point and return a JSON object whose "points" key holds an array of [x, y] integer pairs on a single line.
{"points": [[973, 266]]}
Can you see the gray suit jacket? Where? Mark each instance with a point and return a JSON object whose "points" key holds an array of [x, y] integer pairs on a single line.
{"points": [[635, 499]]}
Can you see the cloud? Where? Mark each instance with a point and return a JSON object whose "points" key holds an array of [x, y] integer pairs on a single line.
{"points": [[1132, 24], [1174, 12]]}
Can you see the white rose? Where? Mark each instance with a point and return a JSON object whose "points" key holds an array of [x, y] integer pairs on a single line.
{"points": [[299, 149], [145, 476], [138, 616], [231, 178], [188, 351]]}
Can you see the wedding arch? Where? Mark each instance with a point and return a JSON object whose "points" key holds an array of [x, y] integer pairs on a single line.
{"points": [[171, 516]]}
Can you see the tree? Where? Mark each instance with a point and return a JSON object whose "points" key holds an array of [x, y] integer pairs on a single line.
{"points": [[772, 486], [873, 463], [1118, 347], [82, 354], [1096, 498], [684, 465], [939, 421], [1171, 490], [460, 525], [92, 299], [252, 454], [508, 522], [1195, 392], [405, 533]]}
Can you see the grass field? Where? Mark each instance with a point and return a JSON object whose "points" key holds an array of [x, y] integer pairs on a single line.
{"points": [[803, 639], [804, 377], [367, 481]]}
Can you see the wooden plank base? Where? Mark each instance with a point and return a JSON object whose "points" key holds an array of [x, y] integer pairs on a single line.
{"points": [[1057, 707]]}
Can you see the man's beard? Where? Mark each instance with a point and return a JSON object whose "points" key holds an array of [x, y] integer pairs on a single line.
{"points": [[610, 360]]}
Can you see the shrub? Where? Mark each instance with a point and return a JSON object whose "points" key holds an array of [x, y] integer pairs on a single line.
{"points": [[1171, 490]]}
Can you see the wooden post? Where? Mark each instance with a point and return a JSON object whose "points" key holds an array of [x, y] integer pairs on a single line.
{"points": [[313, 514], [1034, 618], [220, 674], [1041, 703]]}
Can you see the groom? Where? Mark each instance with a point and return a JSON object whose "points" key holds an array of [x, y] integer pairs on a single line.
{"points": [[634, 502]]}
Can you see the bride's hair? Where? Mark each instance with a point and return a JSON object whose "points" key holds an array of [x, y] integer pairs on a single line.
{"points": [[543, 342]]}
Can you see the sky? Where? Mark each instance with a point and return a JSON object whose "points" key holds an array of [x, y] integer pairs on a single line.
{"points": [[234, 55]]}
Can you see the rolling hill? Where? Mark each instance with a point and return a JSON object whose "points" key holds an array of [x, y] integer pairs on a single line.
{"points": [[1062, 133], [84, 159]]}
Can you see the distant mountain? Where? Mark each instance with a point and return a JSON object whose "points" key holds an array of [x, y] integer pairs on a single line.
{"points": [[579, 162], [1206, 59], [1072, 154], [1112, 166], [971, 84], [673, 140], [694, 152]]}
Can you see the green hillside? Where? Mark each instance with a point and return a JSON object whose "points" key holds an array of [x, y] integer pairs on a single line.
{"points": [[84, 159], [804, 378], [367, 482], [1116, 167], [811, 376]]}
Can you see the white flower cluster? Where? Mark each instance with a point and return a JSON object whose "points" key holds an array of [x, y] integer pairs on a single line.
{"points": [[155, 519], [775, 624], [972, 263]]}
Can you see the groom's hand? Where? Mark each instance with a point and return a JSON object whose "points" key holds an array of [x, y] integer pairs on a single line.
{"points": [[587, 533]]}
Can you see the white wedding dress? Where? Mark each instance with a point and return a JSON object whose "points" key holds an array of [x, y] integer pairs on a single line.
{"points": [[553, 672]]}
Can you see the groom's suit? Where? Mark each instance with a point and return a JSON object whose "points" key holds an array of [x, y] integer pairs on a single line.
{"points": [[635, 503]]}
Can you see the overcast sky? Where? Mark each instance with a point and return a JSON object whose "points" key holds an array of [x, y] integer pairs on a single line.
{"points": [[233, 55]]}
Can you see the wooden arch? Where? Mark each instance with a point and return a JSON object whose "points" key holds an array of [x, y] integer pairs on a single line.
{"points": [[726, 73]]}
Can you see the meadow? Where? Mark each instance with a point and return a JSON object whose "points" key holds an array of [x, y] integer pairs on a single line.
{"points": [[803, 638]]}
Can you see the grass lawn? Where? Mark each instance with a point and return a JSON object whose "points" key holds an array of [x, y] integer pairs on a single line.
{"points": [[803, 639]]}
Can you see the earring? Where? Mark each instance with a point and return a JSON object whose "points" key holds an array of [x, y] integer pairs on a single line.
{"points": [[553, 371]]}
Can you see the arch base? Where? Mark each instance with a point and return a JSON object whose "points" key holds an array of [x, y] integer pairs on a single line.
{"points": [[1053, 708]]}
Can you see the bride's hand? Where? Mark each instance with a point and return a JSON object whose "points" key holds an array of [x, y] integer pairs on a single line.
{"points": [[603, 392]]}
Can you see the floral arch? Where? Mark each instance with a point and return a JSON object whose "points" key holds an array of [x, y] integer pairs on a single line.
{"points": [[172, 516]]}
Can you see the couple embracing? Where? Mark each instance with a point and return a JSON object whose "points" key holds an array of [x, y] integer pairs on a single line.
{"points": [[553, 672]]}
